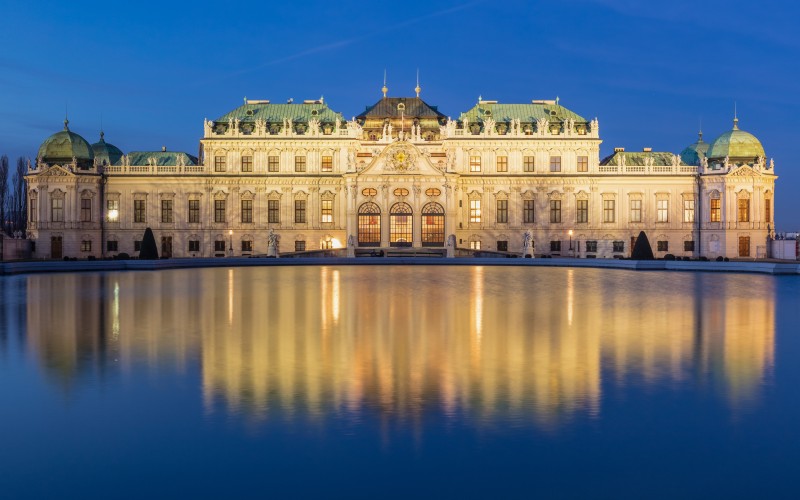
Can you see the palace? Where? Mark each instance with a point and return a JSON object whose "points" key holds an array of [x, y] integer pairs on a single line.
{"points": [[399, 177]]}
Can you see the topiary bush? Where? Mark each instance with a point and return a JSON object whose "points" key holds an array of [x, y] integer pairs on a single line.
{"points": [[642, 250], [149, 249]]}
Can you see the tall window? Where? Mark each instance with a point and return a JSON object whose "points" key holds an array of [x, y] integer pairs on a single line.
{"points": [[609, 211], [502, 163], [86, 210], [474, 163], [247, 245], [583, 164], [34, 202], [194, 211], [112, 210], [432, 225], [502, 211], [273, 164], [299, 163], [273, 211], [555, 211], [528, 212], [662, 210], [166, 211], [369, 225], [475, 211], [528, 164], [688, 210], [744, 210], [636, 210], [219, 164], [194, 245], [475, 244], [139, 211], [716, 210], [57, 210], [618, 246], [300, 211], [327, 163], [247, 211], [327, 211], [768, 209], [583, 211], [86, 245], [555, 164], [247, 163], [300, 245], [219, 211]]}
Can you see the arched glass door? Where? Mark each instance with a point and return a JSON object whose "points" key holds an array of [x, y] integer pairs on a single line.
{"points": [[369, 225], [400, 225], [432, 225]]}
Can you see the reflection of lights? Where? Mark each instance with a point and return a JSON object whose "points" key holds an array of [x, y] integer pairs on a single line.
{"points": [[335, 296], [335, 243], [570, 294], [230, 296], [113, 215], [115, 312]]}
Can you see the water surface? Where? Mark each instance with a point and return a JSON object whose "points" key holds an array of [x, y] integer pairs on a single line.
{"points": [[406, 381]]}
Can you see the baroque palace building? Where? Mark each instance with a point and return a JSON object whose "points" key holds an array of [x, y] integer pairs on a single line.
{"points": [[517, 178]]}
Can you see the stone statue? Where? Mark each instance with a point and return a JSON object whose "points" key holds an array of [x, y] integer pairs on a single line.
{"points": [[676, 160], [703, 162], [771, 163], [351, 160], [451, 246], [351, 246], [208, 125], [313, 126], [726, 162], [488, 126], [337, 125], [527, 244], [272, 248], [595, 126], [541, 125]]}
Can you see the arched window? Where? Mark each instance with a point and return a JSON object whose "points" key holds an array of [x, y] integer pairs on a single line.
{"points": [[400, 225], [432, 225], [369, 225]]}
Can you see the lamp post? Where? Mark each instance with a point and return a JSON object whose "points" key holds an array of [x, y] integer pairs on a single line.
{"points": [[572, 254], [230, 238]]}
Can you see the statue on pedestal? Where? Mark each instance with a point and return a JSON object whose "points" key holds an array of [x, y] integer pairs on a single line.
{"points": [[272, 248], [527, 244]]}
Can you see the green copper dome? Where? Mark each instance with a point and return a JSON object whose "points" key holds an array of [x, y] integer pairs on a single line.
{"points": [[105, 153], [736, 144], [63, 146], [693, 152]]}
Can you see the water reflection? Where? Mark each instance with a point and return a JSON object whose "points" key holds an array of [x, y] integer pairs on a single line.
{"points": [[536, 345]]}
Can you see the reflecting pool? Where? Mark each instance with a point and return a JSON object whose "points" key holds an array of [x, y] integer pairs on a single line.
{"points": [[399, 381]]}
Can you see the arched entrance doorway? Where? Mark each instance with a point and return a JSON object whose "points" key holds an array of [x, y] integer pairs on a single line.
{"points": [[369, 225], [400, 225], [432, 225]]}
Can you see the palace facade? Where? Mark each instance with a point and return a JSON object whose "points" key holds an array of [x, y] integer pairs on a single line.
{"points": [[517, 178]]}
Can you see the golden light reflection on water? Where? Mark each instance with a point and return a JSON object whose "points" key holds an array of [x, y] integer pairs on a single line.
{"points": [[535, 344]]}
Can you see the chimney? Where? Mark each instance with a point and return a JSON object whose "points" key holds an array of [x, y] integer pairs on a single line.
{"points": [[619, 150], [647, 150], [163, 149]]}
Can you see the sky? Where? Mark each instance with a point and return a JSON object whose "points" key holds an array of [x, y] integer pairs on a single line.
{"points": [[652, 72]]}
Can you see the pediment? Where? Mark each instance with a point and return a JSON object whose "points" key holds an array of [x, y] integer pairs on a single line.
{"points": [[56, 171], [401, 158], [744, 171]]}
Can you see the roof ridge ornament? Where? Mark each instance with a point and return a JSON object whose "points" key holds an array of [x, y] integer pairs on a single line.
{"points": [[735, 117], [384, 89], [417, 89]]}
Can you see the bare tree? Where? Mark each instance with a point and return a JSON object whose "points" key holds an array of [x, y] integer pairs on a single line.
{"points": [[19, 198], [3, 191]]}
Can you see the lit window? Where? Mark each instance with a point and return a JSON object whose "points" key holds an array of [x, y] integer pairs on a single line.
{"points": [[475, 211], [744, 210], [662, 211], [502, 163], [112, 210], [475, 245], [768, 209], [327, 210], [433, 192], [636, 210], [369, 192], [716, 210], [688, 210], [474, 163], [327, 163]]}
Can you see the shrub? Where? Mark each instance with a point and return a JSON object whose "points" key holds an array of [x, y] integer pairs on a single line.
{"points": [[122, 256], [669, 256], [149, 249], [642, 250], [703, 258], [720, 259], [727, 259]]}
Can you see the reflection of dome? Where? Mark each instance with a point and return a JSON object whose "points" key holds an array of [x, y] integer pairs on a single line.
{"points": [[105, 153], [736, 144], [691, 155], [63, 146]]}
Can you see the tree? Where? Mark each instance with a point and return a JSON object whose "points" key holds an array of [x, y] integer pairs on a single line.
{"points": [[3, 191], [19, 199], [149, 249], [642, 249]]}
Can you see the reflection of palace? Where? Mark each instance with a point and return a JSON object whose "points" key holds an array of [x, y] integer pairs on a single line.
{"points": [[330, 340], [401, 174]]}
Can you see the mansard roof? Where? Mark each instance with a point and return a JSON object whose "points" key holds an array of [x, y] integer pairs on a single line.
{"points": [[414, 108], [638, 159], [163, 158], [272, 113], [525, 113]]}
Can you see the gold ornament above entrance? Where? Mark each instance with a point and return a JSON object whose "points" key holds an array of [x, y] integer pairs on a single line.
{"points": [[402, 159]]}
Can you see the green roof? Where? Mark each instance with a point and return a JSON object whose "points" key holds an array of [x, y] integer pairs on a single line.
{"points": [[736, 144], [65, 145], [163, 158], [637, 159], [276, 113], [525, 113], [691, 155], [106, 153]]}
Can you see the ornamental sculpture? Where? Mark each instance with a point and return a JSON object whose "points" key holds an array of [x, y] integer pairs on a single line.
{"points": [[402, 159]]}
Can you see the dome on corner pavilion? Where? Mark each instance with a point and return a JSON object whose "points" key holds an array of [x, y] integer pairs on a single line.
{"points": [[106, 153], [63, 146], [693, 152], [735, 144]]}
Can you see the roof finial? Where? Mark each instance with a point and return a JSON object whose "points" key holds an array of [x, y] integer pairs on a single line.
{"points": [[384, 89], [557, 99], [66, 117], [700, 131], [417, 89], [735, 117]]}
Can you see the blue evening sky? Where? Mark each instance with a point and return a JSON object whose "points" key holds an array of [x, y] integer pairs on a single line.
{"points": [[650, 71]]}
